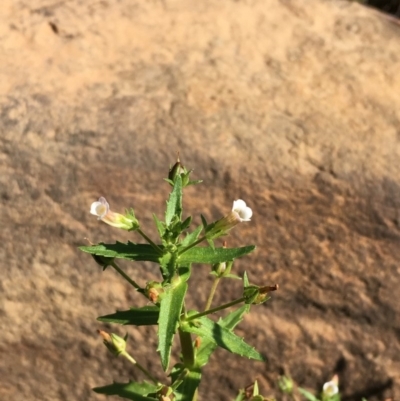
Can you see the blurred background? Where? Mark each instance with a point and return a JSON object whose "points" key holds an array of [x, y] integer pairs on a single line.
{"points": [[292, 106]]}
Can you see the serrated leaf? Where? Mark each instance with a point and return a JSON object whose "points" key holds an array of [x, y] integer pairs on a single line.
{"points": [[190, 238], [170, 311], [160, 226], [145, 316], [229, 322], [174, 203], [132, 390], [131, 251], [211, 256], [209, 330]]}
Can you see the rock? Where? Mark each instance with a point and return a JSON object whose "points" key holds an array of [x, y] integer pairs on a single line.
{"points": [[293, 108]]}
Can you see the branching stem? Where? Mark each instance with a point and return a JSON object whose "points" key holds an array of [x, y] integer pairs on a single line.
{"points": [[218, 308], [125, 276]]}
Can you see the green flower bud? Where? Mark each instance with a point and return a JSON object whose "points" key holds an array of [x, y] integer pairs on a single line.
{"points": [[115, 344]]}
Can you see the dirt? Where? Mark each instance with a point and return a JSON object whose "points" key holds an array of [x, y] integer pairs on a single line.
{"points": [[294, 108]]}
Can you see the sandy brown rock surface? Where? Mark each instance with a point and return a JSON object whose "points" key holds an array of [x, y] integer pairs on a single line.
{"points": [[294, 108]]}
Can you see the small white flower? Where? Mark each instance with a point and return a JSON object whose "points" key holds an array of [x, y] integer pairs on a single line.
{"points": [[330, 388], [100, 208], [243, 211]]}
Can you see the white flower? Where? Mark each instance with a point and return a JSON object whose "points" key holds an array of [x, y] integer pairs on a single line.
{"points": [[244, 212], [101, 209], [330, 388]]}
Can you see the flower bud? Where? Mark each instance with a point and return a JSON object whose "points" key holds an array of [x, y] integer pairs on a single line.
{"points": [[286, 384], [153, 291], [176, 169], [256, 295], [115, 344]]}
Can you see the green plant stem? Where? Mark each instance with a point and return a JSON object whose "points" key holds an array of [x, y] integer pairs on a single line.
{"points": [[212, 292], [218, 308], [192, 245], [125, 276], [140, 367], [155, 246], [179, 379], [187, 348]]}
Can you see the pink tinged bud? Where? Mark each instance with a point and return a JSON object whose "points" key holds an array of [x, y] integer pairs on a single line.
{"points": [[243, 212], [114, 343]]}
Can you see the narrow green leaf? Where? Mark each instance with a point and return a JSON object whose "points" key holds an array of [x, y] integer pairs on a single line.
{"points": [[145, 316], [170, 311], [209, 330], [194, 182], [132, 390], [186, 223], [160, 226], [307, 394], [131, 251], [229, 322], [204, 221], [174, 204], [190, 238], [246, 282], [217, 255]]}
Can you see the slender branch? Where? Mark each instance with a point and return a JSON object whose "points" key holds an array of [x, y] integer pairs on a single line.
{"points": [[218, 308], [212, 292], [192, 245], [179, 379], [140, 367], [125, 276], [155, 246]]}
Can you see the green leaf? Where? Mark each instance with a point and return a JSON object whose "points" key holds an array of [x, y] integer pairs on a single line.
{"points": [[132, 390], [131, 251], [307, 394], [187, 389], [194, 182], [170, 311], [186, 223], [145, 316], [209, 330], [204, 221], [208, 255], [246, 282], [174, 204], [160, 226], [229, 322], [190, 238]]}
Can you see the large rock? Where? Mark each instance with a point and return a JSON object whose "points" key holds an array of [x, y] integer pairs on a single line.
{"points": [[293, 107]]}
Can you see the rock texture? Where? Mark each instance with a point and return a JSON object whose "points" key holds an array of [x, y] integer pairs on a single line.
{"points": [[293, 107]]}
